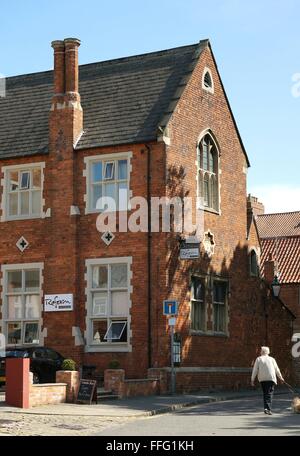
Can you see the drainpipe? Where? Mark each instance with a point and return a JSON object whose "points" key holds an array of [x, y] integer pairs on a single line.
{"points": [[149, 258]]}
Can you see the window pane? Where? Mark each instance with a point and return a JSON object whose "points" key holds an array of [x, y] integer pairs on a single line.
{"points": [[219, 318], [36, 202], [14, 309], [100, 304], [254, 266], [31, 333], [13, 181], [122, 164], [36, 177], [110, 190], [24, 203], [211, 160], [99, 331], [109, 170], [32, 306], [14, 333], [13, 204], [97, 193], [14, 281], [205, 152], [99, 277], [198, 316], [25, 180], [214, 192], [97, 172], [198, 289], [119, 275], [220, 291], [206, 190], [119, 303], [52, 354], [32, 280], [123, 196], [115, 332]]}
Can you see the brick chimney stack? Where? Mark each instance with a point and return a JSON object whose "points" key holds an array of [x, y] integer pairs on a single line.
{"points": [[66, 99], [269, 269], [60, 194]]}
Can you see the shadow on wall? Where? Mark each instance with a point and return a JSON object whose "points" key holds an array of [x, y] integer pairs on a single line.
{"points": [[255, 317]]}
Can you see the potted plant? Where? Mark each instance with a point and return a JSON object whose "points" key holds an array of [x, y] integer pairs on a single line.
{"points": [[68, 365]]}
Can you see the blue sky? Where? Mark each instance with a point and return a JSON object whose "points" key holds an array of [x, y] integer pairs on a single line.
{"points": [[256, 44]]}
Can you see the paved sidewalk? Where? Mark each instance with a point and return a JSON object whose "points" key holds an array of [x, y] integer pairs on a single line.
{"points": [[133, 407]]}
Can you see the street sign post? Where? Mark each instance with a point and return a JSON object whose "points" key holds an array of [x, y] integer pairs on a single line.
{"points": [[170, 309]]}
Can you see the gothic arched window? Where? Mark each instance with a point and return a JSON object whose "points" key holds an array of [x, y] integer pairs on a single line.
{"points": [[208, 181]]}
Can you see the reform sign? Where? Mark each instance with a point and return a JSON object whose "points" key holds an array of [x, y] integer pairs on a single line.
{"points": [[189, 251], [58, 303]]}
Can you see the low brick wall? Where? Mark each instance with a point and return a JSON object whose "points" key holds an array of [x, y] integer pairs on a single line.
{"points": [[72, 379], [114, 380], [47, 393], [137, 387], [189, 382]]}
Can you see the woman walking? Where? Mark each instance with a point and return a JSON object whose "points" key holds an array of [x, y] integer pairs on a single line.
{"points": [[267, 371]]}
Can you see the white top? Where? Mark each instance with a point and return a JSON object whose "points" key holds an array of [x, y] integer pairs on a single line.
{"points": [[266, 370]]}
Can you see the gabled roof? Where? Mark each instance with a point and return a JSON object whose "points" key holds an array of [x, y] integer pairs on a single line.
{"points": [[278, 225], [280, 235], [124, 101], [286, 252], [127, 100]]}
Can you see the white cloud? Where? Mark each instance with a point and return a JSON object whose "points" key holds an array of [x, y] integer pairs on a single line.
{"points": [[278, 198]]}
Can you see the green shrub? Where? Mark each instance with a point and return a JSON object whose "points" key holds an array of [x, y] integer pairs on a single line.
{"points": [[114, 364], [68, 365]]}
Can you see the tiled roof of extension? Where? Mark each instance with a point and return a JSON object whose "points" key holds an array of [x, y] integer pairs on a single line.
{"points": [[278, 225], [286, 252], [280, 235]]}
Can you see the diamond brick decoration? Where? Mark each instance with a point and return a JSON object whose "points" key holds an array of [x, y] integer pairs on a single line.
{"points": [[107, 237], [22, 244]]}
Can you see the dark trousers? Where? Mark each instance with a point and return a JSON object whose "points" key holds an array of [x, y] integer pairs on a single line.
{"points": [[268, 390]]}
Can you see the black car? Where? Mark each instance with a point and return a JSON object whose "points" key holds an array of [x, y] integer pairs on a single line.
{"points": [[44, 362]]}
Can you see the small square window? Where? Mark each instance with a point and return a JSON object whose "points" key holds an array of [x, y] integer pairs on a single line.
{"points": [[99, 331], [100, 304], [31, 333], [115, 331], [109, 170], [14, 335], [25, 180]]}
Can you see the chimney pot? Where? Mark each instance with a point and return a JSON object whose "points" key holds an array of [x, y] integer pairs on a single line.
{"points": [[71, 65], [59, 67]]}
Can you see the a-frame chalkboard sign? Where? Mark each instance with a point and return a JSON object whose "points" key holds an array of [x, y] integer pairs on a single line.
{"points": [[87, 392]]}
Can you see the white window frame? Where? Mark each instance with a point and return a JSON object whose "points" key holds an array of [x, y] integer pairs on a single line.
{"points": [[26, 167], [208, 89], [5, 269], [105, 159], [106, 346]]}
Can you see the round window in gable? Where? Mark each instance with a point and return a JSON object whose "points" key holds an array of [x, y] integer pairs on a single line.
{"points": [[207, 82]]}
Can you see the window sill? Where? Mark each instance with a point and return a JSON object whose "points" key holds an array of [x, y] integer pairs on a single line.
{"points": [[193, 332], [24, 217], [94, 211], [108, 349], [212, 211]]}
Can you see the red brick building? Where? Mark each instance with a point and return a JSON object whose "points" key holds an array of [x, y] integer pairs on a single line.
{"points": [[280, 241], [153, 125]]}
